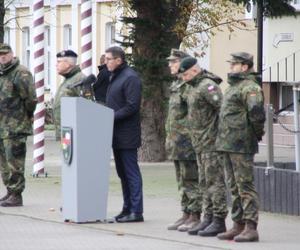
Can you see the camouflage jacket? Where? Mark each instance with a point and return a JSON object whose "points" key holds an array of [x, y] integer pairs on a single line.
{"points": [[242, 115], [204, 97], [17, 100], [74, 76], [178, 142]]}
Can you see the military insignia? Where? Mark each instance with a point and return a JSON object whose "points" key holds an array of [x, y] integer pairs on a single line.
{"points": [[215, 97], [211, 88], [66, 143]]}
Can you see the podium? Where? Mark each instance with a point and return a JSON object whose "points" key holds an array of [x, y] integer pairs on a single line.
{"points": [[86, 152]]}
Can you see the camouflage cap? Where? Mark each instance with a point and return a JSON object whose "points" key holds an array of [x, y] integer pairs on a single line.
{"points": [[66, 53], [176, 54], [241, 57], [187, 63], [5, 48]]}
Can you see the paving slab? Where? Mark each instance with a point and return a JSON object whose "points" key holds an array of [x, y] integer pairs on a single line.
{"points": [[39, 223]]}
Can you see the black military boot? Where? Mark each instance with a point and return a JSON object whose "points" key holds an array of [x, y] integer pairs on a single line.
{"points": [[14, 200], [5, 197], [237, 228], [249, 234], [217, 226], [207, 219]]}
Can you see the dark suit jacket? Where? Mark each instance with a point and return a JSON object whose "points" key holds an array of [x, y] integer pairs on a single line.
{"points": [[124, 97]]}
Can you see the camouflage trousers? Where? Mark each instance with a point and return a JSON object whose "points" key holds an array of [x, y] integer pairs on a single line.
{"points": [[239, 171], [187, 180], [12, 163], [212, 184]]}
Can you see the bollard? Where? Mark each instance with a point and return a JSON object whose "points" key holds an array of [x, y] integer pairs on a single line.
{"points": [[269, 137], [296, 89]]}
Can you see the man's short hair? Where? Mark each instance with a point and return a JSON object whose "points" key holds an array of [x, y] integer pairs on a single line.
{"points": [[117, 52]]}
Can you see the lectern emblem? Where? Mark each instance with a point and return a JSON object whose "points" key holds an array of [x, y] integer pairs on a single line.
{"points": [[66, 143]]}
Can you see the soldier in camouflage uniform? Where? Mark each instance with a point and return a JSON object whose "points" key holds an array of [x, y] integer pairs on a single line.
{"points": [[241, 126], [17, 104], [204, 97], [66, 66], [180, 150]]}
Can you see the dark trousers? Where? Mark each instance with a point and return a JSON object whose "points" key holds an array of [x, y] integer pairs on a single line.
{"points": [[131, 179]]}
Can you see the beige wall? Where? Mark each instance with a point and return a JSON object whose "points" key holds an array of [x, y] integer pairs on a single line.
{"points": [[105, 14], [104, 11], [224, 43], [273, 54]]}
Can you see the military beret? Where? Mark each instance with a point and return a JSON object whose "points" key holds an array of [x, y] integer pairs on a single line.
{"points": [[187, 63], [5, 48], [66, 53], [241, 57], [176, 54]]}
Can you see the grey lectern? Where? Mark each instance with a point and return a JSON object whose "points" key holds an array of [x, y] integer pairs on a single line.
{"points": [[86, 140]]}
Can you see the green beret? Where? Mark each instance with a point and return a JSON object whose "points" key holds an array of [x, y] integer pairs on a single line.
{"points": [[187, 63], [66, 53], [241, 57], [5, 48], [176, 54]]}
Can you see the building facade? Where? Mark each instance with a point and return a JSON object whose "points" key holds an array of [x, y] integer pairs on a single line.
{"points": [[62, 31]]}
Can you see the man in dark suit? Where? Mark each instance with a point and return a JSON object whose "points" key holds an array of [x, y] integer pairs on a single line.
{"points": [[124, 97]]}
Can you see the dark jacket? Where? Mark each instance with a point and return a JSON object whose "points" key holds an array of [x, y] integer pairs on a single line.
{"points": [[100, 87], [124, 97]]}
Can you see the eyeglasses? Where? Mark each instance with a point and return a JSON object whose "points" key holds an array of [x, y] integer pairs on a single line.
{"points": [[110, 58]]}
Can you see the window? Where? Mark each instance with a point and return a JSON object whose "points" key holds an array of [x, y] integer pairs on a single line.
{"points": [[110, 34], [26, 46], [67, 36], [7, 35], [286, 96]]}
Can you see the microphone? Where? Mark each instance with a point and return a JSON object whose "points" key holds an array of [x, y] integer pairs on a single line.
{"points": [[86, 87], [86, 82]]}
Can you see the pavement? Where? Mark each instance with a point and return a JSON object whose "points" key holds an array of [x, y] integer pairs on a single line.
{"points": [[39, 225]]}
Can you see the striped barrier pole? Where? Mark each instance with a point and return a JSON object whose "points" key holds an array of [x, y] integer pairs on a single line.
{"points": [[86, 37], [39, 114]]}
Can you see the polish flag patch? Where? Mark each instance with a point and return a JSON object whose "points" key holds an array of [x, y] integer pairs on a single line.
{"points": [[211, 88]]}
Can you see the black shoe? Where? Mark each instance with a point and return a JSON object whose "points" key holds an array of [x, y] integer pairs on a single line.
{"points": [[121, 215], [217, 226], [133, 217], [202, 225]]}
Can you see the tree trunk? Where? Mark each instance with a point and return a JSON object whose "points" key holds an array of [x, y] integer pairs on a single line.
{"points": [[153, 37], [2, 13], [153, 143]]}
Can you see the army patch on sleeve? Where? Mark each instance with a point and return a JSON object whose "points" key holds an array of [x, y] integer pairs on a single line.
{"points": [[211, 88], [215, 97]]}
